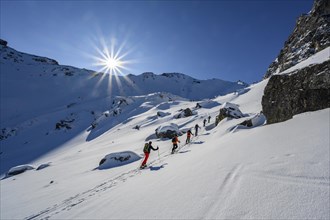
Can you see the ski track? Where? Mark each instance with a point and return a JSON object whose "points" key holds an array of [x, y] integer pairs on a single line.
{"points": [[69, 203], [297, 180], [73, 201]]}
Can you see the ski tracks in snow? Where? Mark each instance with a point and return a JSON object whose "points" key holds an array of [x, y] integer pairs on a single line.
{"points": [[71, 202], [75, 200], [226, 191], [231, 184]]}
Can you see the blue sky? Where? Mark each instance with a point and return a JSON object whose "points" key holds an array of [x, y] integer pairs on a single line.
{"points": [[230, 40]]}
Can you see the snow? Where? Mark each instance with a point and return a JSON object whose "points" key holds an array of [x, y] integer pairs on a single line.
{"points": [[278, 171]]}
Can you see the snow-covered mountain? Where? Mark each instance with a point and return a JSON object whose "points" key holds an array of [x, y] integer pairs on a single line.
{"points": [[72, 143], [229, 171], [31, 85]]}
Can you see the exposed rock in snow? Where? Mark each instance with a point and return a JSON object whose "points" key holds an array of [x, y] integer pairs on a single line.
{"points": [[185, 113], [43, 166], [304, 90], [19, 169], [229, 110], [118, 159], [167, 131], [163, 114], [3, 42], [257, 120]]}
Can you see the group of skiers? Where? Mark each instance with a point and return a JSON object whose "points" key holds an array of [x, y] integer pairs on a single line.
{"points": [[148, 146]]}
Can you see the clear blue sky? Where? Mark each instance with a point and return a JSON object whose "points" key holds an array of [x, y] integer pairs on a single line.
{"points": [[230, 40]]}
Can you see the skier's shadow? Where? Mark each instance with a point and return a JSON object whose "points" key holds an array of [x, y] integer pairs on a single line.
{"points": [[156, 168], [197, 142], [183, 152]]}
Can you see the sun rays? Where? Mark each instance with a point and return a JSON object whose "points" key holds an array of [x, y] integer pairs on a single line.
{"points": [[112, 62]]}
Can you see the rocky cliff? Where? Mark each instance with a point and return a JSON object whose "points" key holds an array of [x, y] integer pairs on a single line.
{"points": [[307, 88], [304, 90], [310, 35]]}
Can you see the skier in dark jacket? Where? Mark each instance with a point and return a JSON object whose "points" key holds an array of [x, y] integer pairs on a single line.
{"points": [[204, 122], [189, 133], [196, 129], [147, 148]]}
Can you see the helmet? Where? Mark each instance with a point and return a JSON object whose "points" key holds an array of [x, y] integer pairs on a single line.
{"points": [[150, 142]]}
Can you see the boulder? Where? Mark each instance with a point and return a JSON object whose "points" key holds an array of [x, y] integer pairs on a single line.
{"points": [[19, 169], [118, 159], [257, 120], [184, 113], [187, 112], [167, 131], [229, 110], [307, 89]]}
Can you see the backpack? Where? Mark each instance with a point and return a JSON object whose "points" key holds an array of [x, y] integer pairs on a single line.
{"points": [[173, 140], [146, 148]]}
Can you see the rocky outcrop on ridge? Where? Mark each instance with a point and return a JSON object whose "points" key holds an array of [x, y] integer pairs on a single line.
{"points": [[311, 35]]}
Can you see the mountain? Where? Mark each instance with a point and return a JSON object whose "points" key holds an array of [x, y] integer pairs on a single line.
{"points": [[39, 97], [299, 77], [31, 85], [310, 35], [228, 171], [72, 145]]}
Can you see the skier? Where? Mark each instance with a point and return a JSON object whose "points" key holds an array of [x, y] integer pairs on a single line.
{"points": [[196, 129], [188, 136], [175, 141], [204, 122], [147, 148], [209, 118]]}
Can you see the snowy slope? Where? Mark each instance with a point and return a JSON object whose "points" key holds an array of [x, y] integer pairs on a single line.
{"points": [[278, 171]]}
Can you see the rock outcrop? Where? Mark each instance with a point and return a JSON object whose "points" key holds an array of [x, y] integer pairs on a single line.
{"points": [[228, 110], [303, 90], [311, 35], [3, 42]]}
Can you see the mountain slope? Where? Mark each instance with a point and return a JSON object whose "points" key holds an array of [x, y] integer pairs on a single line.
{"points": [[225, 173]]}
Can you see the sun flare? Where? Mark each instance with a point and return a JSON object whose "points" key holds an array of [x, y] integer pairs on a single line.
{"points": [[112, 63], [111, 58]]}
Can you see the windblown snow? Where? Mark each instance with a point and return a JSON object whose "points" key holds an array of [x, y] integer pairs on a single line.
{"points": [[228, 171]]}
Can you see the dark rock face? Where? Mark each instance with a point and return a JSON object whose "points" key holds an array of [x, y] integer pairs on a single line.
{"points": [[168, 134], [3, 42], [310, 36], [304, 90], [228, 110], [187, 112]]}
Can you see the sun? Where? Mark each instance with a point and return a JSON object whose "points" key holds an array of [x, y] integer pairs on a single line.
{"points": [[111, 57], [112, 63]]}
